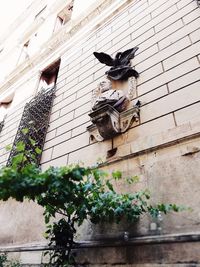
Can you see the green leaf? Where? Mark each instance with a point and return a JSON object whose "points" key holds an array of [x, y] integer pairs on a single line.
{"points": [[33, 142], [133, 179], [117, 175], [38, 150], [109, 185], [16, 160], [25, 131], [20, 146]]}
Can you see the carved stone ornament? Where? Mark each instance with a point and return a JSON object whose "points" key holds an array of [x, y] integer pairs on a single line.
{"points": [[120, 65], [111, 111], [108, 122]]}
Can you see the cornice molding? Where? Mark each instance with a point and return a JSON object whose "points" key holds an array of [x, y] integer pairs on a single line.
{"points": [[69, 36]]}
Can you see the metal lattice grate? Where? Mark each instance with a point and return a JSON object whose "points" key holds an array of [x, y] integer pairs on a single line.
{"points": [[1, 125], [198, 3], [35, 119]]}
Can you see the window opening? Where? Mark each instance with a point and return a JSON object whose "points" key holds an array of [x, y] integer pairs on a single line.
{"points": [[35, 117], [33, 127], [63, 16], [49, 76], [5, 104], [24, 53]]}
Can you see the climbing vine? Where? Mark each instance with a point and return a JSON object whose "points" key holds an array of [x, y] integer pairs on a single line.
{"points": [[75, 193]]}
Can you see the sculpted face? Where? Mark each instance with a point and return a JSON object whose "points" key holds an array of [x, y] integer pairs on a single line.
{"points": [[105, 86]]}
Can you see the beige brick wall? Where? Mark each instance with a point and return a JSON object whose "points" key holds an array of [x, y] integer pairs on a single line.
{"points": [[167, 35]]}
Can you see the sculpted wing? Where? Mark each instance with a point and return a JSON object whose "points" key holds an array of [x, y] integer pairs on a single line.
{"points": [[104, 58], [127, 55]]}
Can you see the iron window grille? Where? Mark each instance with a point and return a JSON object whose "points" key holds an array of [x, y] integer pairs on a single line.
{"points": [[35, 121], [1, 125]]}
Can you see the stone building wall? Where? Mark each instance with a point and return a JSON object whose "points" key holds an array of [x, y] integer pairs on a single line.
{"points": [[159, 148], [162, 148], [167, 61]]}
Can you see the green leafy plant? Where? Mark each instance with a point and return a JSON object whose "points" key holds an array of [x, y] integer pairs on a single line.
{"points": [[3, 259], [75, 193], [4, 262]]}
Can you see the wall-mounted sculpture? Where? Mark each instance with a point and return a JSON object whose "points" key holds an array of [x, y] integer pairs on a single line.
{"points": [[112, 112]]}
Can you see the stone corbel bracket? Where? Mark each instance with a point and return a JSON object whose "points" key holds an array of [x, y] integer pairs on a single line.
{"points": [[108, 122]]}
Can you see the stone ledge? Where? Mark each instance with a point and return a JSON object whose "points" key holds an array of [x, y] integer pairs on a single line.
{"points": [[148, 144], [143, 240]]}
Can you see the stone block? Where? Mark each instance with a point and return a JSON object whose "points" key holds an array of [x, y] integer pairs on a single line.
{"points": [[89, 71], [87, 89], [184, 55], [54, 116], [80, 129], [138, 7], [31, 257], [71, 145], [121, 33], [121, 45], [147, 129], [66, 101], [163, 7], [83, 109], [185, 96], [168, 76], [149, 255], [192, 15], [195, 36], [67, 89], [58, 98], [188, 114], [75, 104], [57, 140], [168, 18], [150, 73], [153, 95], [184, 80], [187, 29], [46, 155], [91, 154], [50, 135], [182, 3], [59, 162], [144, 41], [72, 124], [146, 54], [61, 121], [168, 52], [120, 20]]}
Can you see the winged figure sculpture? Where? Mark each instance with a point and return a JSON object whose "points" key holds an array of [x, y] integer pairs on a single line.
{"points": [[120, 65]]}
